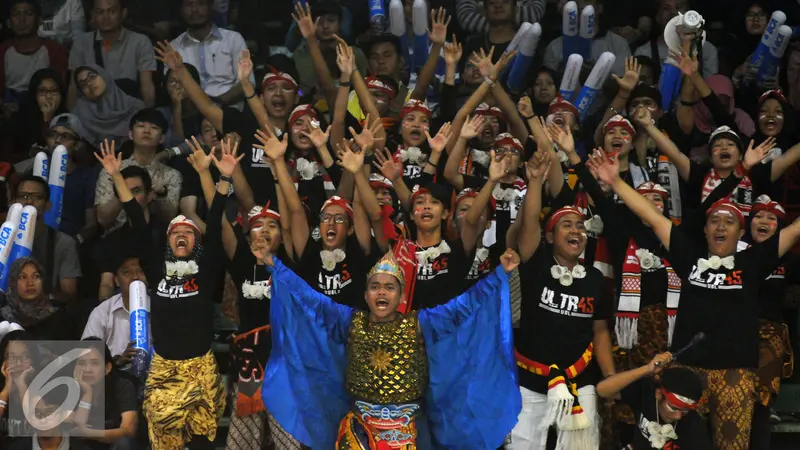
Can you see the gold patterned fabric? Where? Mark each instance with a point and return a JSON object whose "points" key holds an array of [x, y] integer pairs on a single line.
{"points": [[183, 400], [775, 359], [387, 362]]}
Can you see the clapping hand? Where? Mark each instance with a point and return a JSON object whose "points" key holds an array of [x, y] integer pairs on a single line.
{"points": [[111, 161], [605, 167], [348, 159], [439, 142], [562, 137]]}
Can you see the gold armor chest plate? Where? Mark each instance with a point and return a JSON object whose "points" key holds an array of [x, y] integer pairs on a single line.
{"points": [[386, 362]]}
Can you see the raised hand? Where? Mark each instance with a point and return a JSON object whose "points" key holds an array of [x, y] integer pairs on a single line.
{"points": [[642, 117], [505, 58], [167, 54], [484, 63], [452, 52], [245, 67], [525, 107], [348, 159], [345, 59], [631, 77], [112, 162], [6, 376], [562, 137], [199, 159], [273, 148], [688, 65], [472, 127], [366, 140], [260, 250], [227, 163], [510, 260], [536, 168], [754, 156], [659, 362], [306, 25], [499, 168], [318, 137], [385, 162], [605, 167], [439, 142], [437, 33]]}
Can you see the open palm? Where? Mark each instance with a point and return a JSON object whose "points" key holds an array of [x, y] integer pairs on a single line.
{"points": [[245, 68], [563, 138], [348, 159], [472, 127], [318, 137], [439, 22], [167, 54], [199, 160], [607, 169], [631, 77], [272, 146], [452, 52], [389, 168], [226, 164], [754, 156], [305, 23], [499, 168], [108, 158], [439, 142]]}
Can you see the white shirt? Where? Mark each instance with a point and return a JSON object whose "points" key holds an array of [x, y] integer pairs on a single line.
{"points": [[19, 68], [216, 58], [66, 23], [64, 445], [710, 59], [111, 322], [611, 42]]}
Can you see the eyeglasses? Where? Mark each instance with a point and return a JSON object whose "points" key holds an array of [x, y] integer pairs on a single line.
{"points": [[90, 77], [337, 218], [30, 196], [62, 137], [14, 359], [753, 16], [46, 92]]}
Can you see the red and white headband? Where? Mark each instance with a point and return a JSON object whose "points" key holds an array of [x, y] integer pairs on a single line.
{"points": [[415, 105], [508, 139], [726, 207], [375, 83], [379, 181], [182, 220], [679, 401], [469, 192], [302, 110], [339, 201], [491, 111], [764, 203], [274, 76], [558, 215], [648, 187], [259, 212], [618, 121], [559, 104]]}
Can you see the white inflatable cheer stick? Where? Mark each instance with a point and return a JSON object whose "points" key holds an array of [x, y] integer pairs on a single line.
{"points": [[594, 84], [56, 181], [41, 165], [524, 59], [569, 30], [572, 73]]}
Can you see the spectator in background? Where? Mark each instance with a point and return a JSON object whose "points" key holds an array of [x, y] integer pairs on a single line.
{"points": [[294, 39], [496, 29], [62, 20], [327, 15], [147, 129], [56, 251], [104, 109], [182, 114], [604, 41], [117, 242], [649, 71], [26, 52], [149, 17], [127, 56], [657, 48], [110, 320], [214, 51], [473, 20], [27, 303], [45, 99]]}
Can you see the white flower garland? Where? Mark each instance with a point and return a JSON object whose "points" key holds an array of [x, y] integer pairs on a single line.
{"points": [[331, 257], [648, 261], [428, 255], [181, 269], [565, 276]]}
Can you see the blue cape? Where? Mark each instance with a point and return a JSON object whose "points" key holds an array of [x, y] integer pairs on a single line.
{"points": [[472, 401]]}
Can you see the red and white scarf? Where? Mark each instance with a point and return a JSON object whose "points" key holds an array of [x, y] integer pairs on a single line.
{"points": [[602, 256], [630, 297], [713, 180]]}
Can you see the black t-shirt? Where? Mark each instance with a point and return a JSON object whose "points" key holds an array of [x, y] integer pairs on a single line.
{"points": [[443, 278], [122, 399], [557, 322], [484, 263], [772, 292], [722, 303], [256, 171], [508, 204], [182, 316], [759, 177], [691, 430], [346, 283], [313, 191]]}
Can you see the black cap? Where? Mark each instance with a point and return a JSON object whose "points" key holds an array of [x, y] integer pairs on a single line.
{"points": [[644, 90], [326, 7], [683, 382]]}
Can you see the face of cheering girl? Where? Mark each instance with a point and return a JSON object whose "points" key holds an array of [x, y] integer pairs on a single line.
{"points": [[770, 117], [279, 97], [725, 154], [763, 226], [302, 125], [618, 141], [462, 207], [383, 296], [384, 195], [181, 241], [428, 212], [723, 232], [266, 232], [568, 238], [414, 126], [334, 227], [656, 199], [509, 151], [491, 128]]}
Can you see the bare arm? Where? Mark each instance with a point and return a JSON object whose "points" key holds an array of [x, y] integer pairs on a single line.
{"points": [[613, 385], [437, 35], [188, 207], [147, 87], [782, 163], [602, 347], [626, 85], [243, 72], [531, 234]]}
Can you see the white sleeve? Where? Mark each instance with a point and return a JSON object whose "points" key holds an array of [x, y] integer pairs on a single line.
{"points": [[94, 326]]}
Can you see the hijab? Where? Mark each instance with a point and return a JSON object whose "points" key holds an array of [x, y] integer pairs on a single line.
{"points": [[110, 115], [25, 312]]}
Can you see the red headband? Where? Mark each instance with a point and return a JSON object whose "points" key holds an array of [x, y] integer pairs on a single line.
{"points": [[618, 121], [508, 139], [302, 110], [339, 201], [678, 401], [649, 187], [726, 205], [774, 93], [551, 223], [374, 83], [559, 104], [468, 192], [182, 220], [491, 111], [764, 203], [274, 76], [259, 213], [379, 181], [415, 105]]}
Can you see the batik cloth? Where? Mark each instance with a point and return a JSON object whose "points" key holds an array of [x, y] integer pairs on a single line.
{"points": [[775, 359]]}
